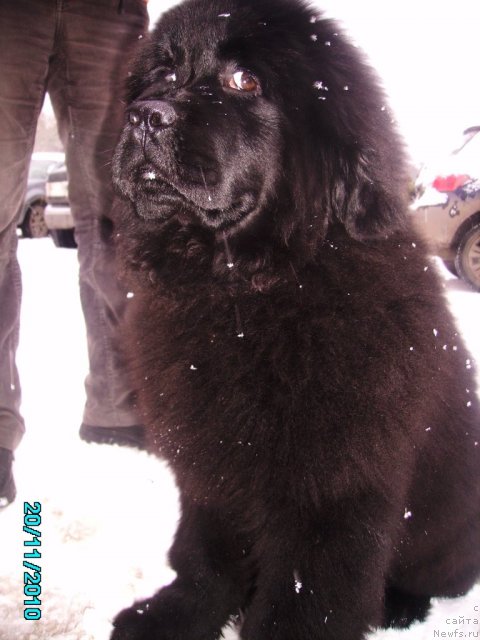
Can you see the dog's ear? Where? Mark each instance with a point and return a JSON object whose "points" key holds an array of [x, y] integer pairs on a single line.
{"points": [[368, 189], [359, 157]]}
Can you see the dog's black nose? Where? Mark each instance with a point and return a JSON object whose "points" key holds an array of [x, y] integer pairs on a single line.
{"points": [[152, 114]]}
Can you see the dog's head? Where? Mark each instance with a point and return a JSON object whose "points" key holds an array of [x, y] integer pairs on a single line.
{"points": [[260, 109]]}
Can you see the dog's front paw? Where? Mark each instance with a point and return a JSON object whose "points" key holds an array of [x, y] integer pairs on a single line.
{"points": [[171, 614], [136, 623]]}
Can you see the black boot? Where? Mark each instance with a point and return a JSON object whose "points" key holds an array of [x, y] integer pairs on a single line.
{"points": [[7, 483], [133, 436]]}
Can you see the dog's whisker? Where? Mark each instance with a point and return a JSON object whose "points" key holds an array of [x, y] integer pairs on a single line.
{"points": [[300, 285], [230, 265], [205, 184], [228, 252], [238, 322]]}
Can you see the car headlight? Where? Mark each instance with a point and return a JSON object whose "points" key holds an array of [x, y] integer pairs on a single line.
{"points": [[57, 190]]}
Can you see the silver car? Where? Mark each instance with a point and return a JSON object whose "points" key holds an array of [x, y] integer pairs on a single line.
{"points": [[58, 216], [31, 221]]}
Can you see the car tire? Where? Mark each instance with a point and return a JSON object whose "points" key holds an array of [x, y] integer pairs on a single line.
{"points": [[450, 265], [467, 260], [33, 225], [63, 238]]}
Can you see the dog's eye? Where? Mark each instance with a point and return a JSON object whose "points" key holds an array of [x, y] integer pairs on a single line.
{"points": [[171, 77], [242, 81]]}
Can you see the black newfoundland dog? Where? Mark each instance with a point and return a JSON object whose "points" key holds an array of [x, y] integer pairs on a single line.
{"points": [[294, 358]]}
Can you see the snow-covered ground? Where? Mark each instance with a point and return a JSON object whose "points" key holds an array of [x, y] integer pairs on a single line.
{"points": [[109, 513]]}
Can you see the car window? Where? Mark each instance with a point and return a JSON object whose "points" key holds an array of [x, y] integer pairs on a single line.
{"points": [[39, 168], [466, 159]]}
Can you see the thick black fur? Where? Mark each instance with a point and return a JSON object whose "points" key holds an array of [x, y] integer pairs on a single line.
{"points": [[294, 357]]}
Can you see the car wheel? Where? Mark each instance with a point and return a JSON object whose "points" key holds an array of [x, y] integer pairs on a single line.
{"points": [[64, 238], [33, 225], [467, 260], [450, 264]]}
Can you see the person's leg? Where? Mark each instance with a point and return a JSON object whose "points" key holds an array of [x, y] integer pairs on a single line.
{"points": [[26, 35], [86, 87]]}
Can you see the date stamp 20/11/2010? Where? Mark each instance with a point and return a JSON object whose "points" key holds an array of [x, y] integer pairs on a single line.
{"points": [[32, 577]]}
